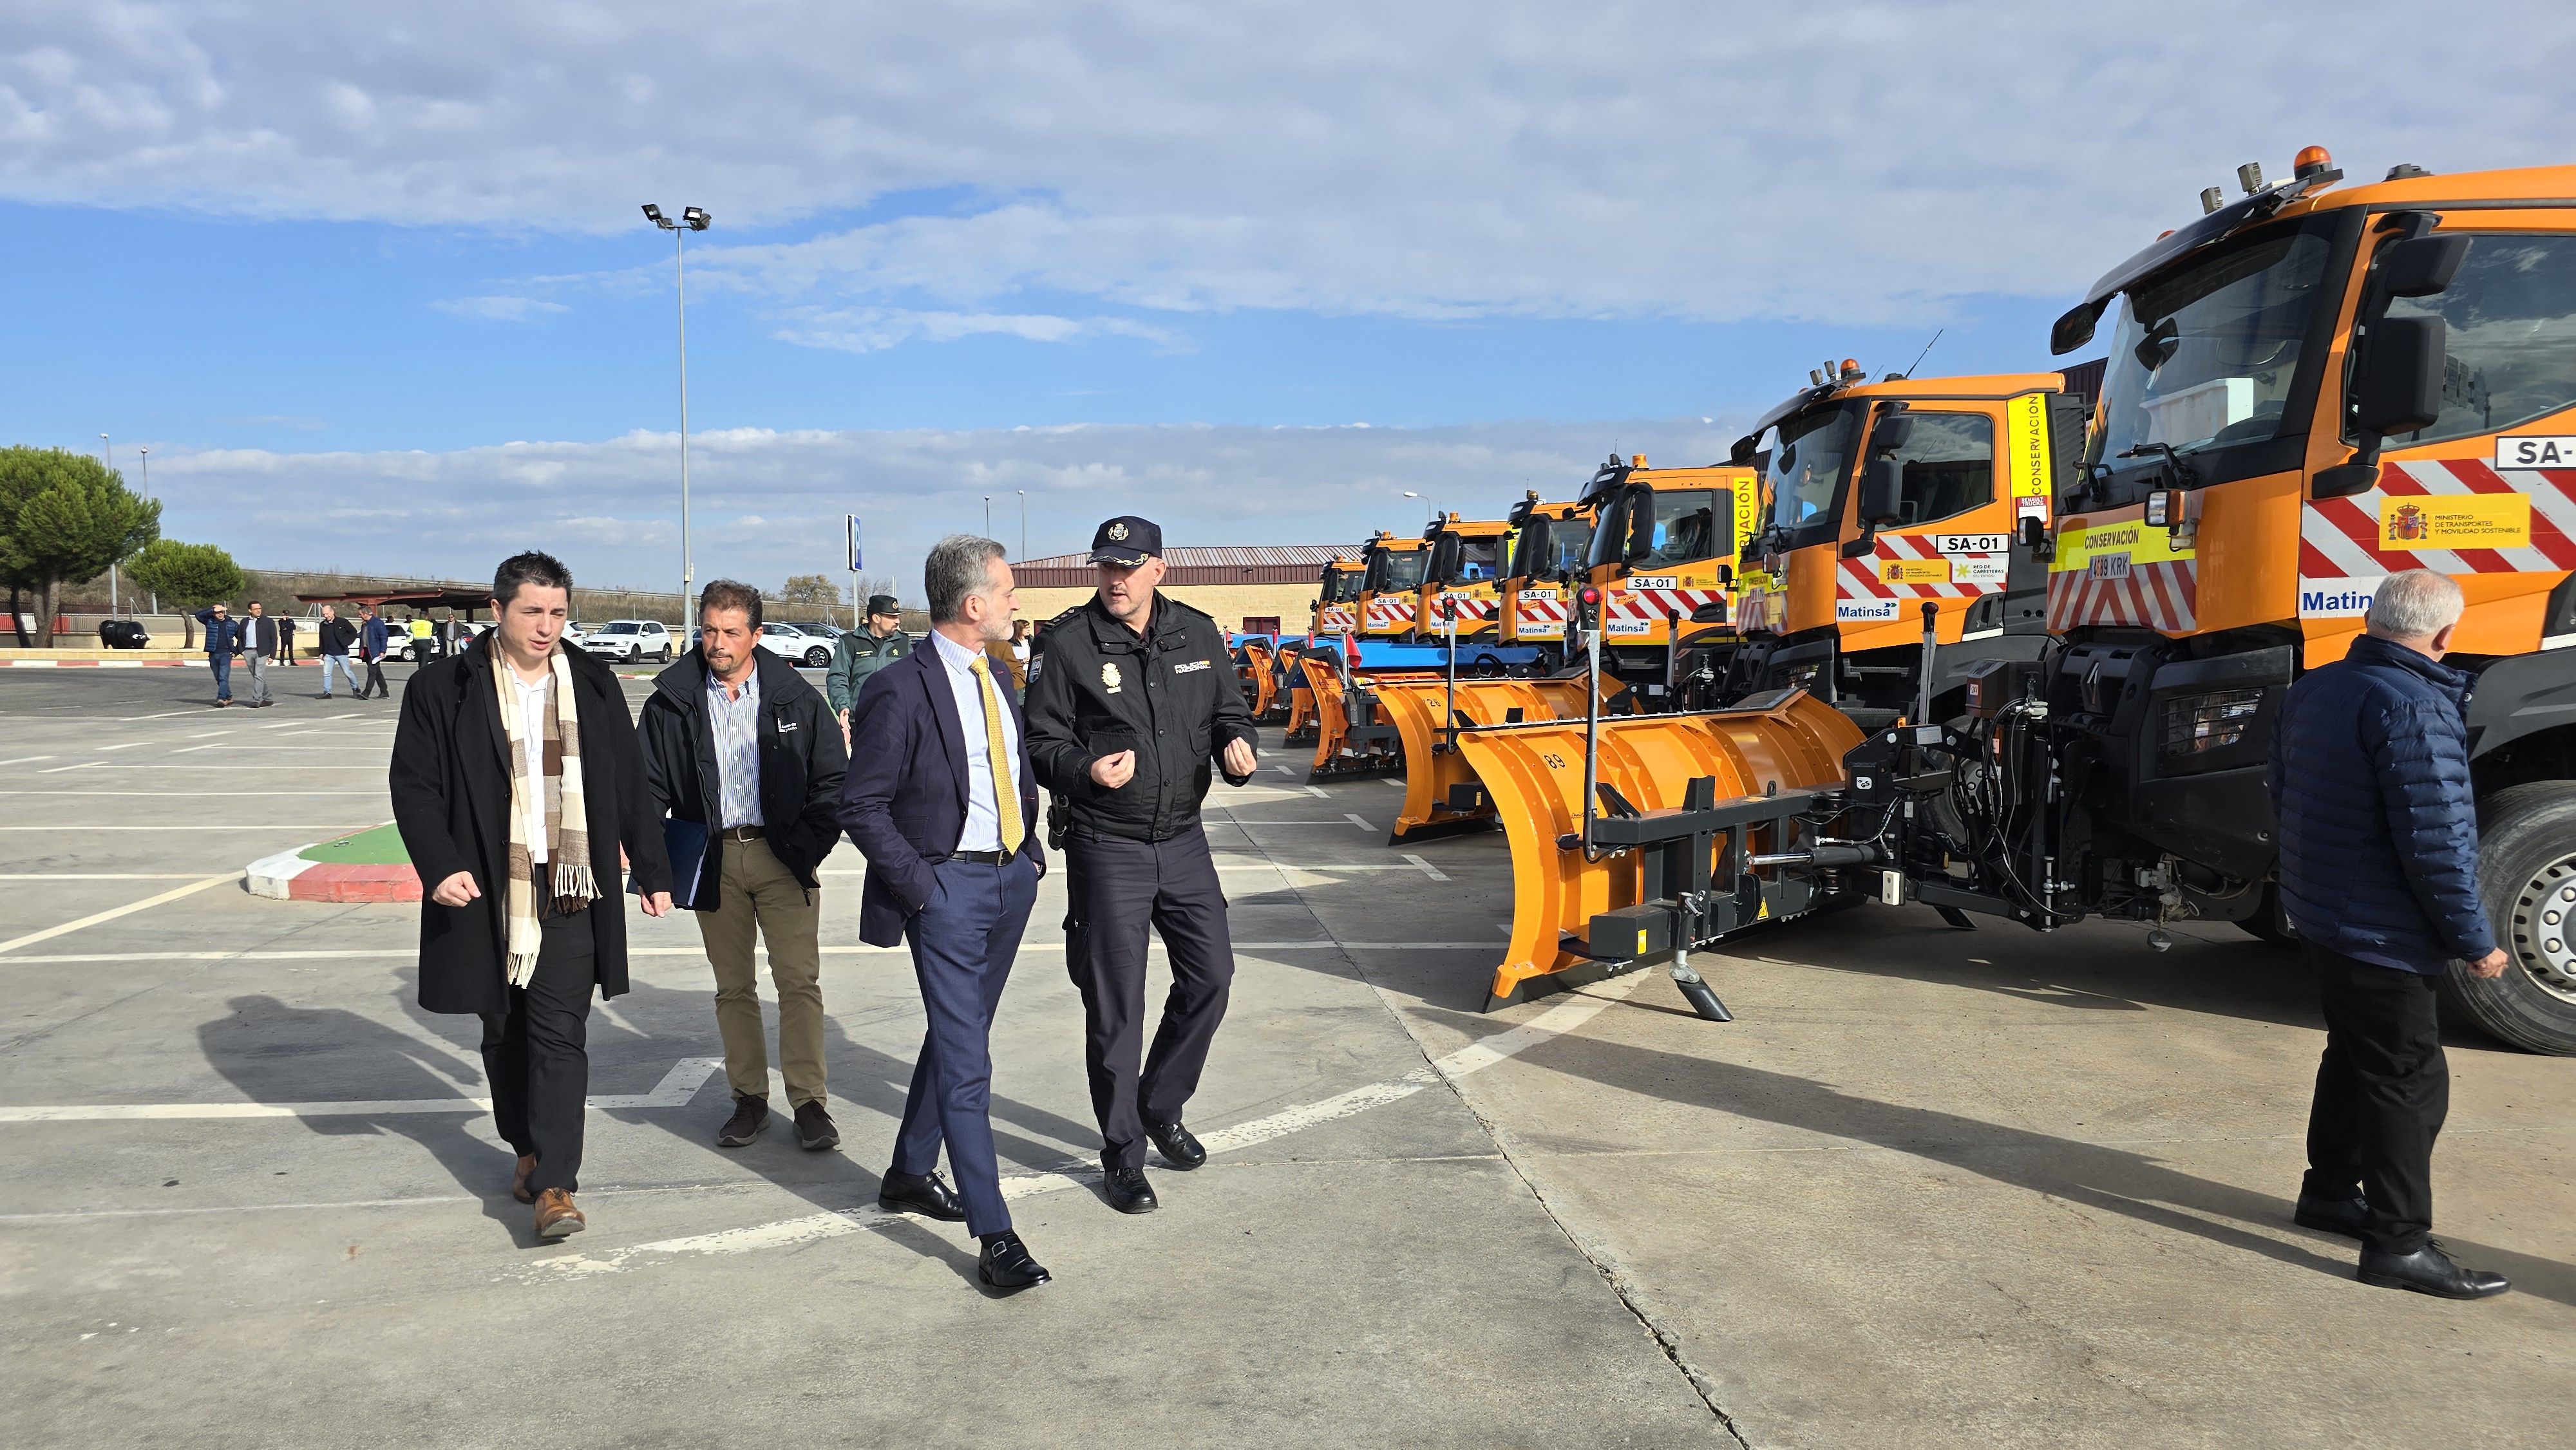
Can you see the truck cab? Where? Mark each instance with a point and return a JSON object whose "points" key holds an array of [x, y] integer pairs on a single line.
{"points": [[1390, 596], [1663, 553], [1544, 557], [1461, 580], [2310, 389], [1889, 498], [1337, 598]]}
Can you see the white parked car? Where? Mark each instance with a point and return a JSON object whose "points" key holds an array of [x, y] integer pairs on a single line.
{"points": [[631, 639], [812, 649]]}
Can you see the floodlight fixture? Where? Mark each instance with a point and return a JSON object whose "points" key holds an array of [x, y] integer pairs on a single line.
{"points": [[696, 217], [654, 215]]}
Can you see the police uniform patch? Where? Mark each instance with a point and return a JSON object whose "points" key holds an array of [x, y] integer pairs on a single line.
{"points": [[1118, 532], [1191, 667], [1109, 675]]}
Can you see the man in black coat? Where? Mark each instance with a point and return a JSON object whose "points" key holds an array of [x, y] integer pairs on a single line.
{"points": [[739, 746], [2379, 877], [524, 946], [333, 636], [1132, 705]]}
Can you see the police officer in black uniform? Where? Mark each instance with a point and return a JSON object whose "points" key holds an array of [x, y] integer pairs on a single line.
{"points": [[1132, 706]]}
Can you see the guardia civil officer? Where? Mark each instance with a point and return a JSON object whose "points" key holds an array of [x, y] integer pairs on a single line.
{"points": [[1132, 706], [860, 654]]}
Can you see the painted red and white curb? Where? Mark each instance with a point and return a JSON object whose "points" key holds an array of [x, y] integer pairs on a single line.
{"points": [[288, 876]]}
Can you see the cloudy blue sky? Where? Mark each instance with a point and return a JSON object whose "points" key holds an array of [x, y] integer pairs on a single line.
{"points": [[371, 283]]}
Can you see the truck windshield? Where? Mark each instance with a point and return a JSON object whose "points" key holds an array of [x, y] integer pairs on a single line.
{"points": [[1395, 570], [2205, 356], [1810, 461], [1341, 586], [1475, 560]]}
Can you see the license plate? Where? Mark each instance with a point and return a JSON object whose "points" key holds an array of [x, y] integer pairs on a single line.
{"points": [[1655, 581]]}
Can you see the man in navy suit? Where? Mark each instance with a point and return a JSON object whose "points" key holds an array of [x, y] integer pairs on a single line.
{"points": [[941, 800]]}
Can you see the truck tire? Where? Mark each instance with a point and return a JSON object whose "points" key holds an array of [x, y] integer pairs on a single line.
{"points": [[2268, 924], [2527, 875]]}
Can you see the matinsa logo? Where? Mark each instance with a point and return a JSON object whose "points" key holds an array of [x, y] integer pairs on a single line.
{"points": [[2336, 598], [1865, 611]]}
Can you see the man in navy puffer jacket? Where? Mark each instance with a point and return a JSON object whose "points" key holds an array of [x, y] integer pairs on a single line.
{"points": [[2379, 877]]}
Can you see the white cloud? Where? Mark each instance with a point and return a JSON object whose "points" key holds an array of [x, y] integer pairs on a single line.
{"points": [[499, 309], [874, 329], [1856, 162], [769, 503]]}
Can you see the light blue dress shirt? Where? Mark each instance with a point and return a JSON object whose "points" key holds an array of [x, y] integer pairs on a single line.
{"points": [[736, 723], [983, 809]]}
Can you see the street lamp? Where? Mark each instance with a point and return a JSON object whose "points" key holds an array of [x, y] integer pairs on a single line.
{"points": [[1024, 526], [692, 219], [108, 463], [988, 516], [146, 455]]}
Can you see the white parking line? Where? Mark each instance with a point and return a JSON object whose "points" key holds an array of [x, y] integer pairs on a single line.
{"points": [[49, 933], [405, 954], [126, 745], [1354, 818], [59, 769], [1434, 872], [809, 1228], [194, 794], [674, 1091], [26, 760]]}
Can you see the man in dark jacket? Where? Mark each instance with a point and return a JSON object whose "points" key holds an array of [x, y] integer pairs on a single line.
{"points": [[1132, 705], [223, 641], [373, 639], [738, 744], [2379, 878], [516, 780], [256, 643], [332, 638], [861, 653]]}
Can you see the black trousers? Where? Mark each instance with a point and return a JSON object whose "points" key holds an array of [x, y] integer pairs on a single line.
{"points": [[375, 684], [537, 1055], [1118, 891], [2383, 1089]]}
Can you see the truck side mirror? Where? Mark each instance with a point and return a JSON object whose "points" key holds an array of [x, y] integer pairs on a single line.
{"points": [[1894, 431], [1726, 576], [1882, 491], [2421, 266], [2398, 387]]}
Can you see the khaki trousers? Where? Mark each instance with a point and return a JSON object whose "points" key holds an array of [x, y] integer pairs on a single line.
{"points": [[760, 897]]}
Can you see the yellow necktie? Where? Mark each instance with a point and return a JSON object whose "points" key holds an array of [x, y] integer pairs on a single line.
{"points": [[1006, 795]]}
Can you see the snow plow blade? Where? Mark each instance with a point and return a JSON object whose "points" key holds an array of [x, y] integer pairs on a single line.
{"points": [[1719, 785], [1441, 793]]}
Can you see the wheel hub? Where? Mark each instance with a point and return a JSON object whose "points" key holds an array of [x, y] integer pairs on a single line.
{"points": [[2544, 926]]}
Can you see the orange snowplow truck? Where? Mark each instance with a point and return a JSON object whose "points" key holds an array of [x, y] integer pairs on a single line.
{"points": [[1337, 601], [1885, 497], [1460, 581], [1390, 586], [2309, 389], [1663, 554], [1543, 566]]}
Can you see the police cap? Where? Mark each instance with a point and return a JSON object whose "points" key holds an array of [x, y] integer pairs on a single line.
{"points": [[884, 604], [1126, 541]]}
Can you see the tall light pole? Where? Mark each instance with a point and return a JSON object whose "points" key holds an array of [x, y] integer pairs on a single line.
{"points": [[108, 463], [1024, 526], [988, 516], [146, 455], [692, 219]]}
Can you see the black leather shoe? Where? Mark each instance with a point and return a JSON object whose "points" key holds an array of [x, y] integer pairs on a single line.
{"points": [[923, 1194], [1178, 1148], [1129, 1192], [750, 1115], [2429, 1271], [815, 1130], [2335, 1216], [1005, 1264]]}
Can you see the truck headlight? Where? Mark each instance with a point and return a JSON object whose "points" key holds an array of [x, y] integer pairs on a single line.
{"points": [[2197, 723]]}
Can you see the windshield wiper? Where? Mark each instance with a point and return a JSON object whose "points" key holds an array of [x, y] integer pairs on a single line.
{"points": [[2177, 472]]}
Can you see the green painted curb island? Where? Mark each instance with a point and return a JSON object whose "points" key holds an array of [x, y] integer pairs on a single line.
{"points": [[382, 846]]}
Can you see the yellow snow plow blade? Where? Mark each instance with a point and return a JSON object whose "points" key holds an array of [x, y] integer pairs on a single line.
{"points": [[1534, 776], [1441, 794], [1344, 746]]}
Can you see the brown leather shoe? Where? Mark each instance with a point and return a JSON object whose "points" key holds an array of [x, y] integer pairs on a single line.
{"points": [[519, 1180], [556, 1217]]}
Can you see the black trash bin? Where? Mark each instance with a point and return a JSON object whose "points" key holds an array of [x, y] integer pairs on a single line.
{"points": [[123, 634]]}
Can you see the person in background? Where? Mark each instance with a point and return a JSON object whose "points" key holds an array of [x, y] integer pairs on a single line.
{"points": [[333, 636], [286, 639], [421, 645], [942, 801], [223, 641], [2379, 878], [373, 638], [861, 653], [516, 781], [258, 644], [736, 741], [1022, 634]]}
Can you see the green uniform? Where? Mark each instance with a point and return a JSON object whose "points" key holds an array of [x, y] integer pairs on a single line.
{"points": [[859, 655]]}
